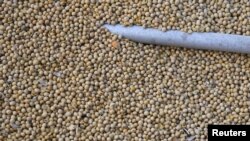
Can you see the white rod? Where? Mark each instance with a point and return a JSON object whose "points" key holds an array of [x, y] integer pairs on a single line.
{"points": [[207, 41]]}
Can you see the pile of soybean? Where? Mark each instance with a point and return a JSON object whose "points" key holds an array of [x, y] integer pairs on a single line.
{"points": [[64, 77]]}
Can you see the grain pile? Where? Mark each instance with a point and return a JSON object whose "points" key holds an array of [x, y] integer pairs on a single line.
{"points": [[62, 77]]}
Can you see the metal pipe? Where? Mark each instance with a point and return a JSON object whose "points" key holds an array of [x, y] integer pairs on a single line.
{"points": [[207, 41]]}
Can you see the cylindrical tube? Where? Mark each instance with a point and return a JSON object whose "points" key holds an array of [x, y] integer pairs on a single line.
{"points": [[208, 41]]}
